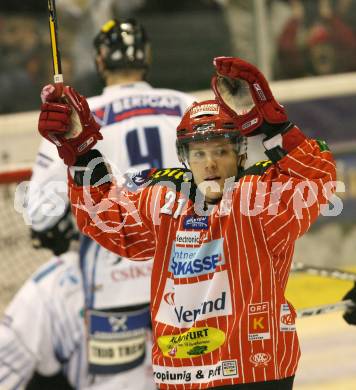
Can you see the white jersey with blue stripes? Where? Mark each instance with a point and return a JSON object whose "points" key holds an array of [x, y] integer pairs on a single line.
{"points": [[87, 316]]}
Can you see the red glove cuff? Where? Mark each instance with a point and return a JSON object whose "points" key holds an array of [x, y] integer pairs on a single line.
{"points": [[281, 144], [292, 138]]}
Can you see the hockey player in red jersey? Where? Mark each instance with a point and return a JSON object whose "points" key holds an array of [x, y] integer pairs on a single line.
{"points": [[222, 237]]}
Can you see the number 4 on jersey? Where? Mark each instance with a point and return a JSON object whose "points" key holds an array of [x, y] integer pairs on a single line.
{"points": [[144, 147]]}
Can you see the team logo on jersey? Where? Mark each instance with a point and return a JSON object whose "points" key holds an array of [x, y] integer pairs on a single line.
{"points": [[194, 342], [187, 262], [183, 304], [260, 359], [195, 222], [286, 319], [258, 321]]}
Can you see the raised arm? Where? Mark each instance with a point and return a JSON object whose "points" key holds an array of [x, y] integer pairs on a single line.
{"points": [[301, 174], [298, 185], [113, 217]]}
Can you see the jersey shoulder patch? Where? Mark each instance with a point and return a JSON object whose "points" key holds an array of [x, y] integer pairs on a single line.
{"points": [[257, 169]]}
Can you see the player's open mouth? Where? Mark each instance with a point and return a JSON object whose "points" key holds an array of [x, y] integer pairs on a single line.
{"points": [[212, 178]]}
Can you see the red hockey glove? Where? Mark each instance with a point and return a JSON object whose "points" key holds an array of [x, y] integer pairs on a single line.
{"points": [[68, 123], [243, 90]]}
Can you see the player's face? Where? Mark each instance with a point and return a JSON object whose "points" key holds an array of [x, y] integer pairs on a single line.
{"points": [[212, 162]]}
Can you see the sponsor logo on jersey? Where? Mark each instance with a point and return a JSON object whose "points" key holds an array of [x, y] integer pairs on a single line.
{"points": [[132, 272], [169, 298], [194, 342], [260, 359], [118, 323], [195, 374], [196, 223], [176, 173], [188, 238], [188, 262], [287, 319], [183, 304], [116, 340], [258, 321], [133, 106], [229, 368], [188, 315]]}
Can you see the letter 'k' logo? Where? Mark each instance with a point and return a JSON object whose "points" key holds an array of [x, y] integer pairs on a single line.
{"points": [[258, 323], [118, 323]]}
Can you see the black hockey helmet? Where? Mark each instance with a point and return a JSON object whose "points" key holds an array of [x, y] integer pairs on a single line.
{"points": [[123, 45]]}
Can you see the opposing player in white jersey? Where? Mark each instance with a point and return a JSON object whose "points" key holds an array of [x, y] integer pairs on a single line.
{"points": [[52, 326], [106, 350]]}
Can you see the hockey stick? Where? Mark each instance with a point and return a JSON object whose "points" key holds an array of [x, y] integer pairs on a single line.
{"points": [[329, 273], [325, 272], [56, 56], [75, 127], [323, 309]]}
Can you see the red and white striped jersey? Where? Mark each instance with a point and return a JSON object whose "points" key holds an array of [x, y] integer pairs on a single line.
{"points": [[218, 308]]}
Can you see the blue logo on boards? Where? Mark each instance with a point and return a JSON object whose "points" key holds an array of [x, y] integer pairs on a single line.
{"points": [[187, 262], [196, 223]]}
